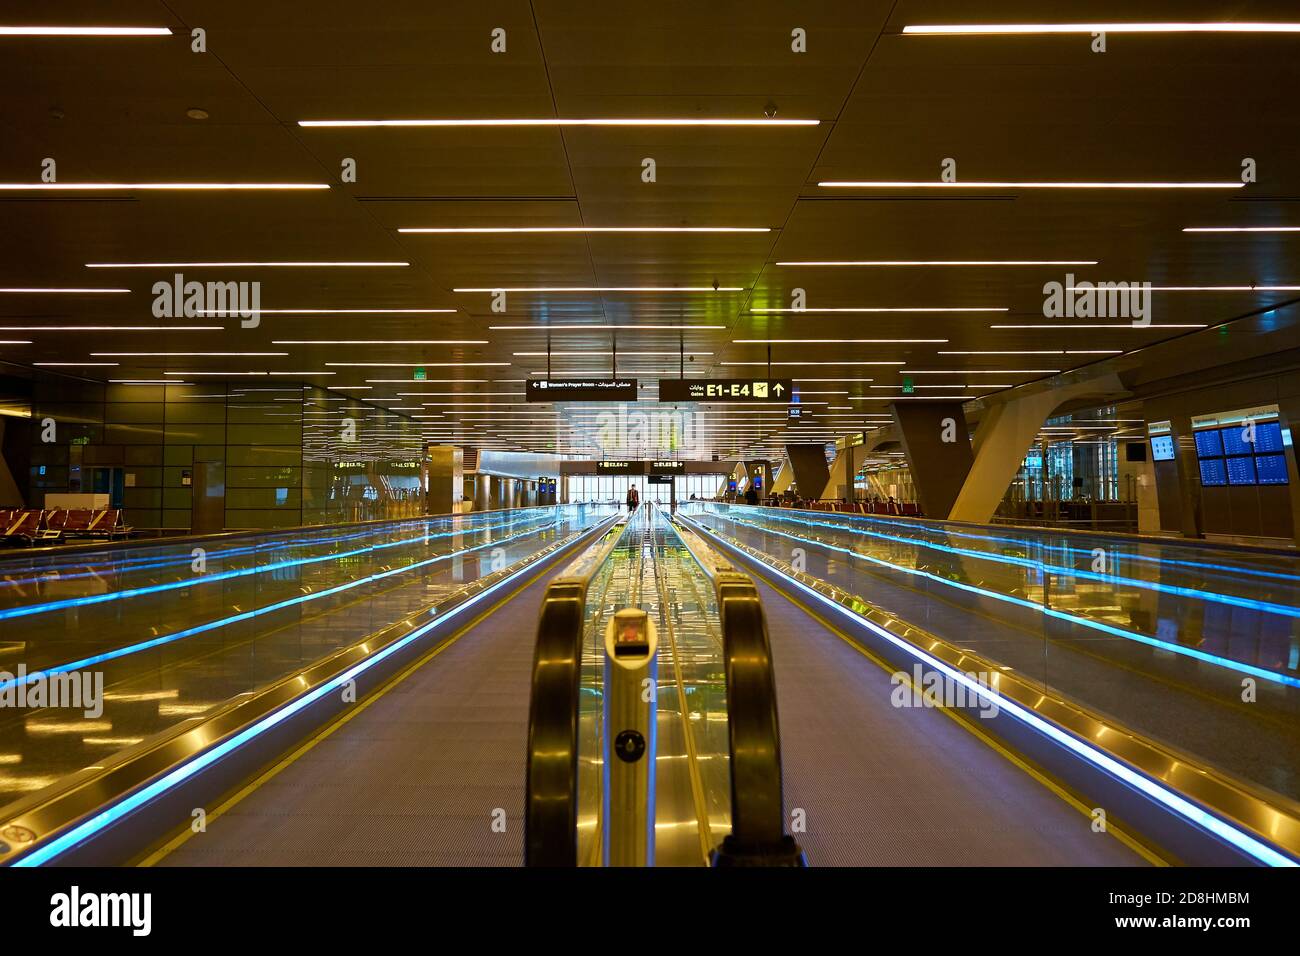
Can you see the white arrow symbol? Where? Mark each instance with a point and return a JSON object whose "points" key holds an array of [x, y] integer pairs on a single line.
{"points": [[778, 388]]}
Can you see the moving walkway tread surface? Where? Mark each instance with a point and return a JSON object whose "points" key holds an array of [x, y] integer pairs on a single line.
{"points": [[413, 779], [888, 786]]}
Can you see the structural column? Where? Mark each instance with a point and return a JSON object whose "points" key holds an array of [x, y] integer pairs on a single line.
{"points": [[1004, 435], [446, 479], [937, 446]]}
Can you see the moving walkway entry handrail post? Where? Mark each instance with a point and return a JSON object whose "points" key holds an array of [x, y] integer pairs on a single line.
{"points": [[631, 675]]}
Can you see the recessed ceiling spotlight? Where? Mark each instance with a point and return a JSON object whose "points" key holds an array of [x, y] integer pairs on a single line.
{"points": [[195, 113]]}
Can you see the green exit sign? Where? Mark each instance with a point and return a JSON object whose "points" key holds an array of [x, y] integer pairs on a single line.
{"points": [[908, 387], [421, 375]]}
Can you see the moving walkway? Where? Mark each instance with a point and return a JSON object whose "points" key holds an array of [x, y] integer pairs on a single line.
{"points": [[441, 692], [1182, 741]]}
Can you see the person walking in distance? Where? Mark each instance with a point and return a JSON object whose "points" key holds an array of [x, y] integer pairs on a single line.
{"points": [[633, 499]]}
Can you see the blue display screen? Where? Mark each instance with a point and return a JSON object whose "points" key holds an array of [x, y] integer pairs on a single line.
{"points": [[1241, 471], [1271, 469], [1268, 437], [1162, 448], [1208, 443], [1234, 441], [1213, 473]]}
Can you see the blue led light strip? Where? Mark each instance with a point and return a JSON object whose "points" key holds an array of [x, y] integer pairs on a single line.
{"points": [[186, 770], [1199, 655], [1037, 542], [52, 571], [1284, 610], [1166, 797], [246, 615], [30, 609]]}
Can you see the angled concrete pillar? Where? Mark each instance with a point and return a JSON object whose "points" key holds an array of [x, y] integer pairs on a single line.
{"points": [[784, 478], [1003, 437], [839, 482], [808, 468], [937, 446]]}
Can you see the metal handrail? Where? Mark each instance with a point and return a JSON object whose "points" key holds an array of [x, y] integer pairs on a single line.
{"points": [[551, 779], [757, 836]]}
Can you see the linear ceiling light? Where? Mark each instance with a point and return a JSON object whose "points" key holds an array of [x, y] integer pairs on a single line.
{"points": [[1038, 352], [563, 122], [239, 265], [76, 364], [1037, 29], [628, 354], [927, 308], [112, 328], [1218, 288], [380, 342], [338, 311], [67, 291], [1014, 184], [412, 364], [597, 328], [1241, 229], [981, 371], [498, 230], [833, 342], [189, 354], [1124, 325], [117, 187], [84, 31], [946, 262], [606, 288], [811, 363]]}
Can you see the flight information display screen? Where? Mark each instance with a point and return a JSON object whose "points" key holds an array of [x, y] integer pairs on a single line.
{"points": [[1268, 437], [1213, 472], [1208, 443], [1241, 470], [1234, 441], [1162, 448], [1242, 454], [1271, 469]]}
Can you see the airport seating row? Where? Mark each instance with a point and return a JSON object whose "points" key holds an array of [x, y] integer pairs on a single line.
{"points": [[24, 527], [906, 509]]}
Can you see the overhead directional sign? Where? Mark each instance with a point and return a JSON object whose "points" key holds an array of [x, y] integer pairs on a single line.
{"points": [[620, 468], [724, 390], [581, 390], [667, 467]]}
